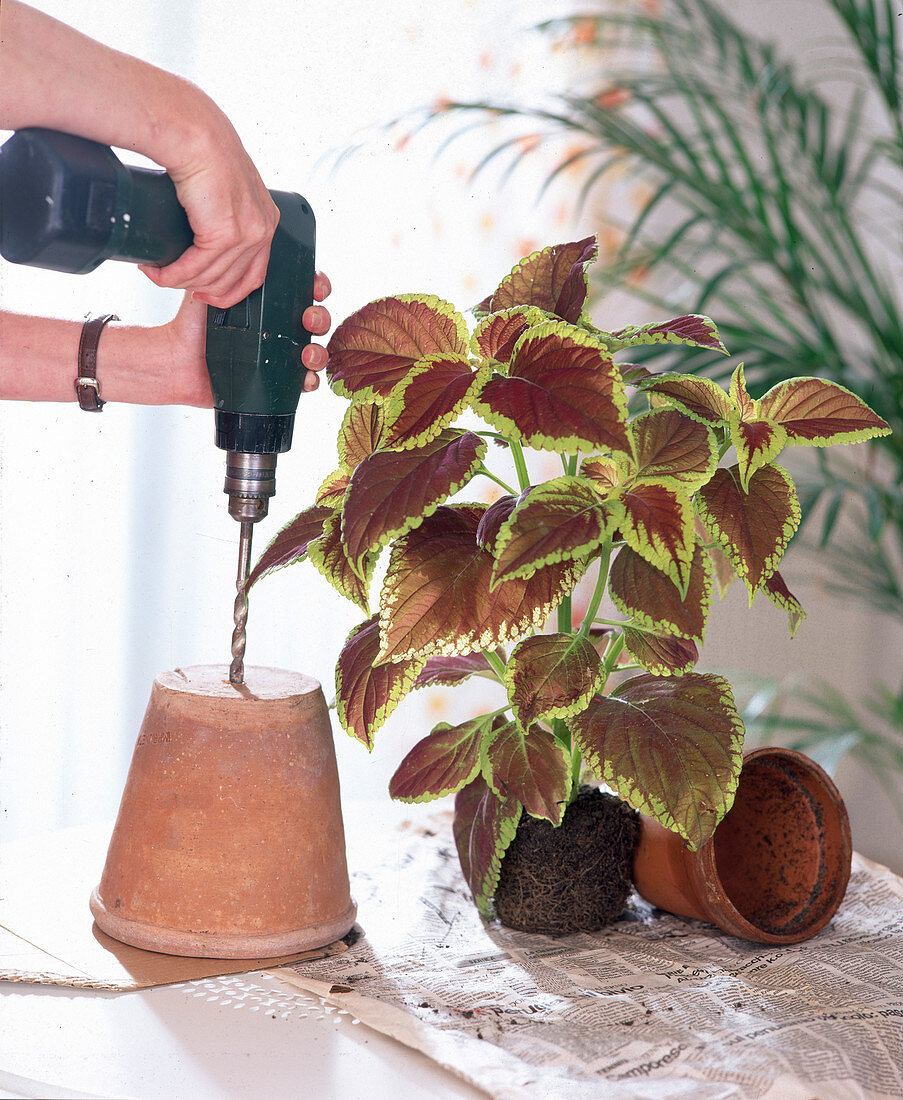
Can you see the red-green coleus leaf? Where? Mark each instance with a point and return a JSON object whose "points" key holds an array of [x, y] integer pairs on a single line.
{"points": [[291, 543], [332, 490], [817, 413], [447, 671], [672, 448], [442, 762], [647, 596], [432, 395], [553, 279], [366, 694], [693, 329], [556, 521], [659, 653], [373, 349], [700, 398], [360, 435], [492, 519], [496, 335], [671, 748], [530, 766], [483, 828], [437, 598], [562, 393], [756, 442], [551, 676], [391, 492], [780, 595], [351, 579], [658, 524], [605, 473], [753, 527]]}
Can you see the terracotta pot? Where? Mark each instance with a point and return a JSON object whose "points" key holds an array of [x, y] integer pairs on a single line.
{"points": [[229, 841], [777, 867]]}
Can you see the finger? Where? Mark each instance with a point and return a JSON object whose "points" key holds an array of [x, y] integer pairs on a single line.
{"points": [[315, 357], [322, 286], [223, 279], [311, 382], [316, 320]]}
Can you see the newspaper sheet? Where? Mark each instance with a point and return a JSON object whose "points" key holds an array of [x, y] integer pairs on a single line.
{"points": [[653, 1006]]}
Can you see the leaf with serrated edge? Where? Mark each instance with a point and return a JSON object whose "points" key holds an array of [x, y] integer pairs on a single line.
{"points": [[448, 671], [436, 596], [744, 406], [671, 748], [531, 766], [360, 435], [700, 398], [391, 492], [558, 520], [373, 349], [551, 676], [442, 763], [817, 413], [692, 329], [659, 653], [658, 525], [328, 556], [780, 595], [497, 334], [291, 543], [483, 828], [332, 490], [553, 279], [606, 474], [562, 393], [431, 397], [752, 528], [671, 447], [367, 695], [756, 442], [647, 596]]}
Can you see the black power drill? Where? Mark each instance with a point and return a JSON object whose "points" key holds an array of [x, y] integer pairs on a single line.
{"points": [[68, 204]]}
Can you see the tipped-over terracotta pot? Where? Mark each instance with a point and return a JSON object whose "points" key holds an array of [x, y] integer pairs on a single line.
{"points": [[229, 841], [777, 867]]}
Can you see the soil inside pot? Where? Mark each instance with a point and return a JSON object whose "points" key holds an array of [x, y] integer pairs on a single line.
{"points": [[573, 878]]}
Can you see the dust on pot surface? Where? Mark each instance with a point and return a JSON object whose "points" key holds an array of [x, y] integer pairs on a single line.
{"points": [[777, 867], [575, 877]]}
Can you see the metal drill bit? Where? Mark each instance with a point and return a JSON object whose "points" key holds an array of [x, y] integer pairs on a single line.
{"points": [[240, 611]]}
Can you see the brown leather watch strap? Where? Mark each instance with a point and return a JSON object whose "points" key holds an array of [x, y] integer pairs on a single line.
{"points": [[87, 388]]}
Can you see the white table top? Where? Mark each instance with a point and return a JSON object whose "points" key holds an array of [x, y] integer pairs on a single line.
{"points": [[213, 1039], [245, 1035]]}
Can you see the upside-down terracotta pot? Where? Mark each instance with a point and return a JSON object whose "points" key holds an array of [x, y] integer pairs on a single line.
{"points": [[229, 841], [777, 867]]}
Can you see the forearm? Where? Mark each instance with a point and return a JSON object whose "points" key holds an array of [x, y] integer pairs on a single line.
{"points": [[55, 77], [135, 365]]}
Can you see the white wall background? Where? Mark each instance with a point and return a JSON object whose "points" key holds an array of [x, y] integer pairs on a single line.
{"points": [[117, 556]]}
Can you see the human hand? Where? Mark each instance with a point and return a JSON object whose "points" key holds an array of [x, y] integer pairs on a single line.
{"points": [[185, 338], [230, 211]]}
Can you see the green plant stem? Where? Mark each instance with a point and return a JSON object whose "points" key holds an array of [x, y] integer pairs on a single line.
{"points": [[598, 592], [611, 657], [496, 663], [520, 464]]}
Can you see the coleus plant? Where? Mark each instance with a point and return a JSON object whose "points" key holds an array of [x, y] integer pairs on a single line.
{"points": [[656, 499]]}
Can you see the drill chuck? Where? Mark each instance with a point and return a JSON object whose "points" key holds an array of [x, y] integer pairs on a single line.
{"points": [[250, 482]]}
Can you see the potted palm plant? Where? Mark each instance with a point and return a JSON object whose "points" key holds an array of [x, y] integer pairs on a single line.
{"points": [[665, 481]]}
